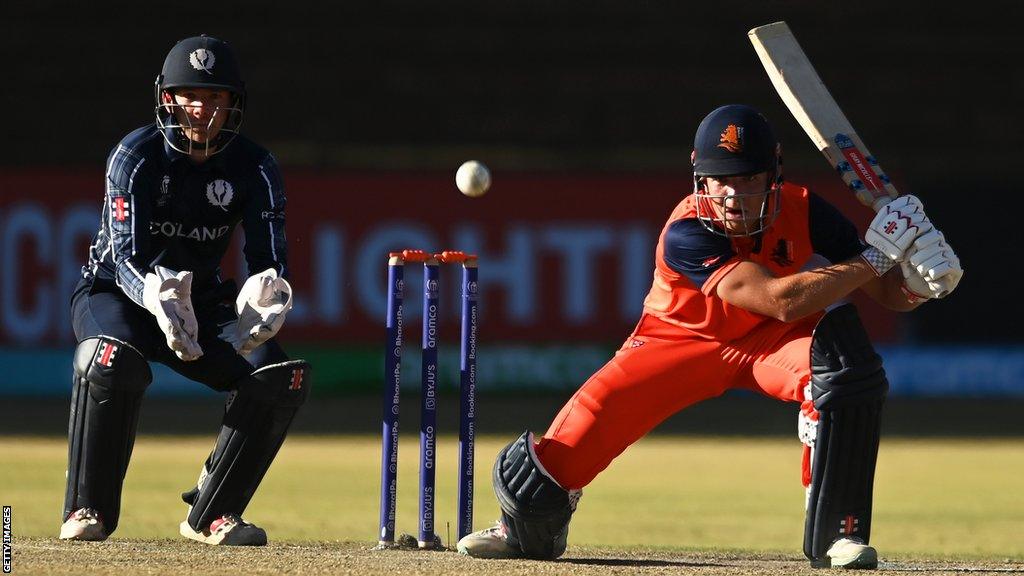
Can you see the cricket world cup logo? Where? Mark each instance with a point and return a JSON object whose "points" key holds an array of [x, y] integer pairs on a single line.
{"points": [[165, 190]]}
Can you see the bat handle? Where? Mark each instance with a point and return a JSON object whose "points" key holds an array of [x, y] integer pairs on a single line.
{"points": [[880, 202]]}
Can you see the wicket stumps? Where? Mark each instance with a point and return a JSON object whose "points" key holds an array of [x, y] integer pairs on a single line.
{"points": [[428, 393]]}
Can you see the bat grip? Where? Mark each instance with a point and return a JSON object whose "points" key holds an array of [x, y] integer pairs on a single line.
{"points": [[880, 202]]}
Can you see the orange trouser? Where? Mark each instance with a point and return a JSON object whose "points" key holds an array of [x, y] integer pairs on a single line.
{"points": [[660, 370]]}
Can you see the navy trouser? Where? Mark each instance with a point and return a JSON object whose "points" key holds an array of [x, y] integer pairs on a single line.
{"points": [[101, 308]]}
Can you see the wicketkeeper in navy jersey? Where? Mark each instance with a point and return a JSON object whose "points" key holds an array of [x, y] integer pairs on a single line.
{"points": [[152, 291]]}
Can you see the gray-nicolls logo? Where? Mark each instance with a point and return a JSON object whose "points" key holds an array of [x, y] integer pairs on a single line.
{"points": [[202, 59], [219, 193]]}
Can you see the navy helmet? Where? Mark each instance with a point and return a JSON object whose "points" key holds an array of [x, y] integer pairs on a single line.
{"points": [[736, 140], [200, 62]]}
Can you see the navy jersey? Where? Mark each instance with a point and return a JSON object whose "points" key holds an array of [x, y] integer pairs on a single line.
{"points": [[161, 208]]}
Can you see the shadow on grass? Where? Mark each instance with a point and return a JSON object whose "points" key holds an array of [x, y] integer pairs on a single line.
{"points": [[910, 567], [732, 415], [638, 563]]}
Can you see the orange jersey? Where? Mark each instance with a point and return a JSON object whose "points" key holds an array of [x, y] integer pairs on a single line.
{"points": [[691, 260], [690, 345]]}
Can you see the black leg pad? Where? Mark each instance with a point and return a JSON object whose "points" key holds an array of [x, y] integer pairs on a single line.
{"points": [[256, 420], [534, 508], [109, 380], [848, 387]]}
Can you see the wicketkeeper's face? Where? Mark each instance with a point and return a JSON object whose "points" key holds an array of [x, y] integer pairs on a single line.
{"points": [[201, 112], [736, 203]]}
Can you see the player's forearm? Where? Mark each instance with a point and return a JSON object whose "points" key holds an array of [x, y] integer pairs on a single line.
{"points": [[130, 278], [805, 293]]}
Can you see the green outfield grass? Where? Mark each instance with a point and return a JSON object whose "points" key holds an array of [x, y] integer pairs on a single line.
{"points": [[933, 498]]}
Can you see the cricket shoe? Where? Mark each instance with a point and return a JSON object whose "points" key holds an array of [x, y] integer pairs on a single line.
{"points": [[850, 553], [228, 530], [489, 543], [84, 524]]}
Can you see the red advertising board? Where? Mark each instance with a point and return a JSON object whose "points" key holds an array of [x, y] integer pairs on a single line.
{"points": [[563, 257]]}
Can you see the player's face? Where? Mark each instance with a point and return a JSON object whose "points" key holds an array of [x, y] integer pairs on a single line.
{"points": [[201, 111], [737, 201]]}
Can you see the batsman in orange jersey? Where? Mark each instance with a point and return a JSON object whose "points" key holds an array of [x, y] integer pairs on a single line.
{"points": [[750, 276]]}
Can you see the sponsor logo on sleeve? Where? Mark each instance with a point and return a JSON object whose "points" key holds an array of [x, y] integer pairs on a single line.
{"points": [[119, 209]]}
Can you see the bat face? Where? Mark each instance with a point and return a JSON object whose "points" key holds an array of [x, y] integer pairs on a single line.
{"points": [[860, 169], [813, 106]]}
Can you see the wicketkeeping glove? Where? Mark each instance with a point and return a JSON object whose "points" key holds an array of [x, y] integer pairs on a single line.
{"points": [[262, 304], [168, 296]]}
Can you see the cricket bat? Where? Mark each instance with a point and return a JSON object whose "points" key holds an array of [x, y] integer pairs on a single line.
{"points": [[812, 105]]}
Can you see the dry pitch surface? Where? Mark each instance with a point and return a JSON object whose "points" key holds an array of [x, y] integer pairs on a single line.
{"points": [[161, 557]]}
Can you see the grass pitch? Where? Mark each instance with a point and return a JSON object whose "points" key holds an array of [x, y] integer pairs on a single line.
{"points": [[713, 505]]}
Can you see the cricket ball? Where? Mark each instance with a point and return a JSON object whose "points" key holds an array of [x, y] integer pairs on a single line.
{"points": [[473, 179]]}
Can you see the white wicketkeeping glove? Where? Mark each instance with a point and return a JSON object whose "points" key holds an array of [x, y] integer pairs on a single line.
{"points": [[931, 268], [896, 226], [262, 304], [168, 296]]}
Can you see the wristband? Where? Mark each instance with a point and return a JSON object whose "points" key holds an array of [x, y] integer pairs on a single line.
{"points": [[910, 295], [878, 261]]}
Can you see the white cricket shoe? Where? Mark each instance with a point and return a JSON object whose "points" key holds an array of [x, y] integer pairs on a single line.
{"points": [[84, 524], [228, 530], [852, 553], [488, 543]]}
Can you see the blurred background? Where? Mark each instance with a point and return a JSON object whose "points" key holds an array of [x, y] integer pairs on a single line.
{"points": [[585, 114]]}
